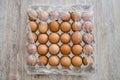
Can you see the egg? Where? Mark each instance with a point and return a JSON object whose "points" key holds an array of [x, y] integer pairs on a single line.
{"points": [[76, 16], [53, 60], [31, 60], [90, 60], [34, 36], [76, 61], [88, 38], [65, 38], [87, 26], [65, 26], [65, 16], [43, 60], [31, 48], [86, 16], [42, 49], [65, 49], [88, 49], [32, 14], [43, 38], [43, 15], [33, 26], [84, 60], [77, 49], [54, 15], [31, 37], [43, 27], [76, 37], [54, 26], [54, 38], [54, 49], [65, 61], [76, 26]]}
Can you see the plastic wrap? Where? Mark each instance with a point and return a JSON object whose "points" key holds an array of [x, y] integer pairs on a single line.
{"points": [[60, 40]]}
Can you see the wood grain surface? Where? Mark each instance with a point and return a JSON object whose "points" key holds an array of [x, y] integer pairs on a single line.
{"points": [[12, 39]]}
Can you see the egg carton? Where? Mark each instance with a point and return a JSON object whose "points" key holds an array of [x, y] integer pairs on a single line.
{"points": [[39, 68]]}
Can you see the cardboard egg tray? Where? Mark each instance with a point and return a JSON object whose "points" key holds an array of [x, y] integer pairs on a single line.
{"points": [[39, 68]]}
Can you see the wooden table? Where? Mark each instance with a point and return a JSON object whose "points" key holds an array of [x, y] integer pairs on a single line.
{"points": [[12, 38]]}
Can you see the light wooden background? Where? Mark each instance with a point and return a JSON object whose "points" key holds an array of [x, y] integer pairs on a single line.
{"points": [[12, 39]]}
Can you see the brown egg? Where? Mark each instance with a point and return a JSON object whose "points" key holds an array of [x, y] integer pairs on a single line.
{"points": [[65, 38], [88, 49], [77, 49], [65, 26], [54, 49], [32, 14], [76, 26], [42, 49], [54, 26], [31, 60], [54, 38], [87, 26], [65, 49], [43, 60], [76, 16], [43, 15], [88, 38], [31, 48], [43, 27], [34, 36], [31, 37], [43, 38], [65, 16], [33, 26], [90, 60], [76, 61], [65, 61], [54, 15], [84, 61], [76, 37], [53, 60], [86, 16]]}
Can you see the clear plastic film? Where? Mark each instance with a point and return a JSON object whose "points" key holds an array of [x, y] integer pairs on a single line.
{"points": [[60, 39]]}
